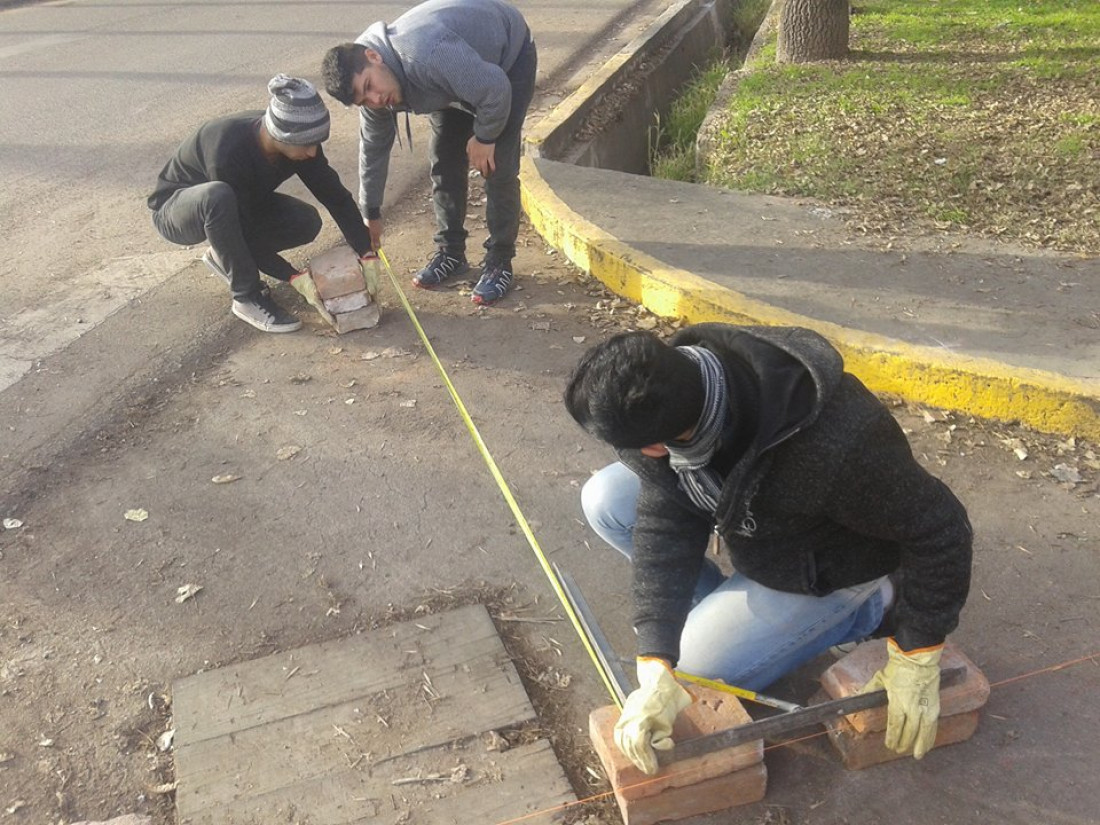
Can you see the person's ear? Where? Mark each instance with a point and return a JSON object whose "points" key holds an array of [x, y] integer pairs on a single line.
{"points": [[373, 57]]}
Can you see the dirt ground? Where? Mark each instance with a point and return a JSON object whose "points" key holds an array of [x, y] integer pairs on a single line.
{"points": [[355, 497]]}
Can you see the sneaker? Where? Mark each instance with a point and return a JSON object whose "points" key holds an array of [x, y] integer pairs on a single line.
{"points": [[496, 280], [214, 263], [263, 313], [843, 649], [442, 266]]}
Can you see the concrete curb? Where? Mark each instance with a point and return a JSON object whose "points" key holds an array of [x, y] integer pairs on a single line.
{"points": [[607, 121], [977, 386]]}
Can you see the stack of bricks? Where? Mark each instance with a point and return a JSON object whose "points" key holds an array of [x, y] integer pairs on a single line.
{"points": [[340, 284], [860, 737], [688, 787]]}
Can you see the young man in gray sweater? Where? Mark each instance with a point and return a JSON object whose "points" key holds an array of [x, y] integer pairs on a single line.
{"points": [[470, 65], [833, 529]]}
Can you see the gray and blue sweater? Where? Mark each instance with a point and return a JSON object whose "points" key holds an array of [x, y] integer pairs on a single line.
{"points": [[443, 53]]}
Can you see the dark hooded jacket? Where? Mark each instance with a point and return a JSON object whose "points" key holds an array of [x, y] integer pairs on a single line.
{"points": [[826, 494]]}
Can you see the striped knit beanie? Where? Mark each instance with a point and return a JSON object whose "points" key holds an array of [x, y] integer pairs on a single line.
{"points": [[296, 113]]}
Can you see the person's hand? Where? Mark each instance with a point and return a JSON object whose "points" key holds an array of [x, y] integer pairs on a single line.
{"points": [[912, 683], [648, 714], [375, 226], [482, 156]]}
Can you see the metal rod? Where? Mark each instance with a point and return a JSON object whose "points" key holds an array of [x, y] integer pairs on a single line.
{"points": [[785, 723], [608, 660]]}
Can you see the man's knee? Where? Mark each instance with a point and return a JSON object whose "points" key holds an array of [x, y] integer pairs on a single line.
{"points": [[218, 199], [608, 498], [307, 226], [594, 500], [311, 224]]}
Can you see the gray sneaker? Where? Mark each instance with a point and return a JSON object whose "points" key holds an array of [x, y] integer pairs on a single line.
{"points": [[214, 263], [263, 313]]}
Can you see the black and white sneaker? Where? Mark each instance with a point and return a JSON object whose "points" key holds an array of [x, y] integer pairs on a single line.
{"points": [[214, 263], [263, 313], [442, 266]]}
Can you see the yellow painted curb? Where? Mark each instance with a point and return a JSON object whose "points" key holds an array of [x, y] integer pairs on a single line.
{"points": [[977, 386]]}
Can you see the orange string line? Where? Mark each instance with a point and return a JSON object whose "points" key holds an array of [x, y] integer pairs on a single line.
{"points": [[1092, 657]]}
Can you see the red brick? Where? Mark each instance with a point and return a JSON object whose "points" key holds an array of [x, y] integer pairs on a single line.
{"points": [[717, 794], [712, 711], [862, 750], [711, 782], [337, 273], [852, 672]]}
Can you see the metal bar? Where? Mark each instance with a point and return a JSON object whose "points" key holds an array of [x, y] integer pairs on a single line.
{"points": [[788, 722], [608, 660]]}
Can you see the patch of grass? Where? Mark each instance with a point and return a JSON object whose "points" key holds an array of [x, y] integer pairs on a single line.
{"points": [[1071, 147], [674, 163], [672, 150], [747, 18], [982, 114]]}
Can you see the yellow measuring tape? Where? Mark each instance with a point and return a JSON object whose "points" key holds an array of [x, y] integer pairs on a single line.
{"points": [[555, 583]]}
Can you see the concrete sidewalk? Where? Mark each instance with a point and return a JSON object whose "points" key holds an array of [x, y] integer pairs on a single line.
{"points": [[987, 329]]}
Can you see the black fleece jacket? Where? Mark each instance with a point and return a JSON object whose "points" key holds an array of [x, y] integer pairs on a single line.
{"points": [[826, 495]]}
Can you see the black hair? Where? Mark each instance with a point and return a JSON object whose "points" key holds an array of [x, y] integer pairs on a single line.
{"points": [[338, 70], [634, 390]]}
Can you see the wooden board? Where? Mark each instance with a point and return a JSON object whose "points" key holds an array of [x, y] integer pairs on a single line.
{"points": [[373, 725]]}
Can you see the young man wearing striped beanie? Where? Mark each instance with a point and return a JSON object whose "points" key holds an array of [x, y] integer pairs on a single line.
{"points": [[834, 532], [470, 65], [220, 188]]}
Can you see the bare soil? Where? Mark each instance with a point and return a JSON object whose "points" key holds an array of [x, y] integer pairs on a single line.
{"points": [[385, 510]]}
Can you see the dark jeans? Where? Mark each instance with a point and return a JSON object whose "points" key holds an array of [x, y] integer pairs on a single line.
{"points": [[450, 168], [246, 244]]}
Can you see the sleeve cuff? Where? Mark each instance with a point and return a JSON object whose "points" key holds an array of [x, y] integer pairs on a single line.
{"points": [[658, 641], [485, 141], [374, 213]]}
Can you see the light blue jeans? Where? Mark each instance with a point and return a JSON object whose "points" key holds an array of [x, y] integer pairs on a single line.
{"points": [[738, 631]]}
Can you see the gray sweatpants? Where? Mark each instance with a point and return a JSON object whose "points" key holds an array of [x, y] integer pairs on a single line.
{"points": [[450, 169], [246, 243]]}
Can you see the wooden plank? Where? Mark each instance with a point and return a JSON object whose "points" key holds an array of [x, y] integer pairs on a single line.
{"points": [[474, 785], [237, 697], [410, 699], [265, 757]]}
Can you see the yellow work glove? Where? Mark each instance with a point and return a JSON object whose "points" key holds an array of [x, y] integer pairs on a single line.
{"points": [[912, 683], [369, 264], [648, 714]]}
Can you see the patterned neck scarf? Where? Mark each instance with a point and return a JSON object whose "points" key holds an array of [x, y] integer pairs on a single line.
{"points": [[690, 459]]}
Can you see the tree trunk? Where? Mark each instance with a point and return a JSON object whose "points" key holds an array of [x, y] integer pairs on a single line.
{"points": [[812, 30]]}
